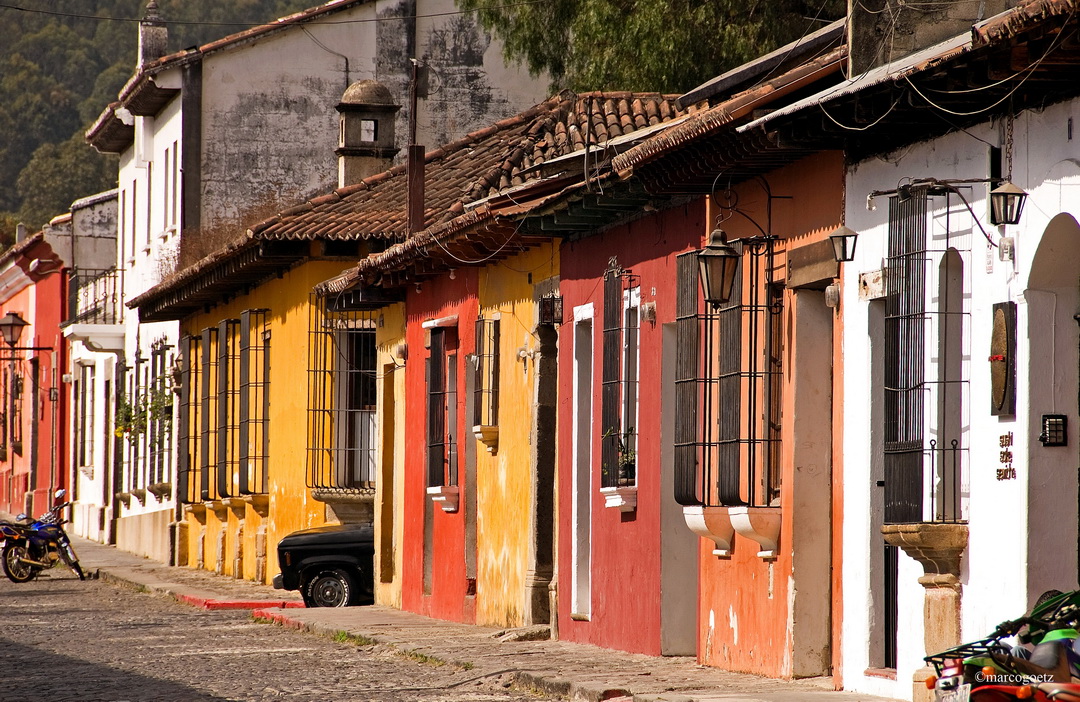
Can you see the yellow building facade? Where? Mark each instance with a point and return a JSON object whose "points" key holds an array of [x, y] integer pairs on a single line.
{"points": [[246, 487]]}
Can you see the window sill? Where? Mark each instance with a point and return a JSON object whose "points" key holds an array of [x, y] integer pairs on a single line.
{"points": [[625, 498], [760, 524], [712, 523], [887, 673], [445, 496], [720, 524], [487, 435]]}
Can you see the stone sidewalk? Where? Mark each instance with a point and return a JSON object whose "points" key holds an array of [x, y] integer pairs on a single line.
{"points": [[554, 668]]}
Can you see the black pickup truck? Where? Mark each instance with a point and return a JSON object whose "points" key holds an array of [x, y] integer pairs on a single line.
{"points": [[331, 566]]}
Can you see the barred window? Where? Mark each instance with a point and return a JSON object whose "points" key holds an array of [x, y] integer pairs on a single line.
{"points": [[254, 402], [228, 407], [619, 389], [728, 429], [924, 451], [342, 376], [208, 410], [442, 416], [158, 400], [187, 431], [84, 423], [486, 394], [15, 410], [224, 406]]}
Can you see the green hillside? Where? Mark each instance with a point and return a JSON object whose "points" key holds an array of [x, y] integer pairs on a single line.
{"points": [[60, 65]]}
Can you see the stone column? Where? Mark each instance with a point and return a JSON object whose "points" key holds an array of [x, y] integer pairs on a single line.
{"points": [[938, 548]]}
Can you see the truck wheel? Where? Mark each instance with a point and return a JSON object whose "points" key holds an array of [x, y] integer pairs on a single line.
{"points": [[331, 588]]}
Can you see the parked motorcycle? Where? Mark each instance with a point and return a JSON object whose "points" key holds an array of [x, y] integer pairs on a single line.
{"points": [[994, 670], [31, 548]]}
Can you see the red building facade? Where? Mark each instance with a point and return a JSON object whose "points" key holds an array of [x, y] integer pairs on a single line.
{"points": [[627, 570], [33, 437]]}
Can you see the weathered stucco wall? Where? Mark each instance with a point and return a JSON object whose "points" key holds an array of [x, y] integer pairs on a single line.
{"points": [[270, 127], [504, 478]]}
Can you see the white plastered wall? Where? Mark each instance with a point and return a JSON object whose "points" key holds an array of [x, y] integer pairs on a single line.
{"points": [[1022, 531]]}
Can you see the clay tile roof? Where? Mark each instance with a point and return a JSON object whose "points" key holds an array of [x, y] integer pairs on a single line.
{"points": [[472, 168]]}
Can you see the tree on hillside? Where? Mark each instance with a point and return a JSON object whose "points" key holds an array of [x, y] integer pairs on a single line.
{"points": [[60, 65], [665, 45], [58, 174]]}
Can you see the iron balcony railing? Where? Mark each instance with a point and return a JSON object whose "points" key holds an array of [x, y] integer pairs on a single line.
{"points": [[926, 485], [95, 296]]}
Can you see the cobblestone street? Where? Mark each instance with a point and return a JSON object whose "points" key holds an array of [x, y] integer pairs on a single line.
{"points": [[81, 641]]}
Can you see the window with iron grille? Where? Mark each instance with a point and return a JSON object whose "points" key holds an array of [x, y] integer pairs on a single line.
{"points": [[208, 410], [15, 410], [84, 423], [486, 394], [228, 407], [729, 386], [188, 436], [158, 400], [619, 387], [224, 408], [441, 369], [924, 451], [254, 402], [134, 424], [5, 414], [342, 373]]}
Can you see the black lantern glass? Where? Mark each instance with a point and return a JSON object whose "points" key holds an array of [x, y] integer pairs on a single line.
{"points": [[1006, 204], [717, 264], [11, 326], [843, 242]]}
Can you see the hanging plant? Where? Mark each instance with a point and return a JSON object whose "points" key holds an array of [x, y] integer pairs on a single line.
{"points": [[130, 419], [159, 402]]}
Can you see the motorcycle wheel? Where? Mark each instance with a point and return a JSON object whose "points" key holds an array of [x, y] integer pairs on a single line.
{"points": [[15, 570], [68, 554]]}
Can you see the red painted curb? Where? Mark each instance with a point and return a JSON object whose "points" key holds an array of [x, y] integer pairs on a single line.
{"points": [[277, 618], [210, 604]]}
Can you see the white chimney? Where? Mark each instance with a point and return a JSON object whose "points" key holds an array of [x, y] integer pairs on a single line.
{"points": [[153, 35]]}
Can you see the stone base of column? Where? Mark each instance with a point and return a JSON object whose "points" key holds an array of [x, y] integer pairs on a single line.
{"points": [[937, 547], [537, 598]]}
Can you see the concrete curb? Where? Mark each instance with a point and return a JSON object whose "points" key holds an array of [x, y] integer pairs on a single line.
{"points": [[183, 594]]}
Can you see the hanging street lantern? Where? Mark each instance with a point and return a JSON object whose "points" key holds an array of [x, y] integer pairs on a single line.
{"points": [[1006, 204], [717, 264], [11, 326]]}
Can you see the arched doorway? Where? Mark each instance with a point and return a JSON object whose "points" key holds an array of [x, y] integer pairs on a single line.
{"points": [[1052, 300]]}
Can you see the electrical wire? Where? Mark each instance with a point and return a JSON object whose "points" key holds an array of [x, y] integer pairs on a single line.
{"points": [[1029, 70], [397, 18], [861, 129], [487, 258]]}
